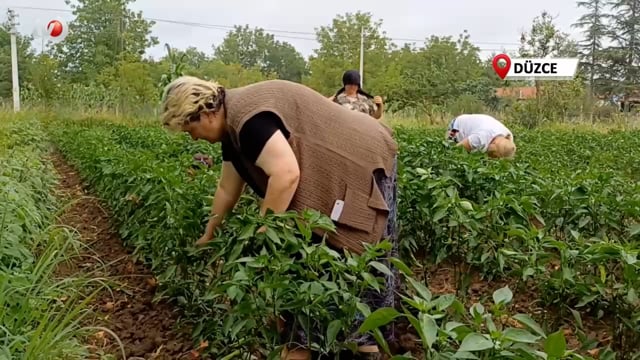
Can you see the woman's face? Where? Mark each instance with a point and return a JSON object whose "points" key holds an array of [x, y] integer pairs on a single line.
{"points": [[211, 127], [350, 89]]}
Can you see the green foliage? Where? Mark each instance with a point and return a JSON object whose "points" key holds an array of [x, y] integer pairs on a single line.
{"points": [[103, 33], [40, 315], [339, 51], [560, 219], [568, 202], [233, 289], [254, 48], [428, 79], [447, 329], [545, 39]]}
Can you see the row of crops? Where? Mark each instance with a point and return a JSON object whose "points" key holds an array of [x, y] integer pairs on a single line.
{"points": [[39, 313], [561, 220]]}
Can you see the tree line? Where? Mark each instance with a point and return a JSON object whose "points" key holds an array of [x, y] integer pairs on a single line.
{"points": [[101, 65]]}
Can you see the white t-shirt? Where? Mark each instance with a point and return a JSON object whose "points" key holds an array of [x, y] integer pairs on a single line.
{"points": [[481, 129]]}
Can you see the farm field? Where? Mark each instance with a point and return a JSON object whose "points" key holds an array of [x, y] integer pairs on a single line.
{"points": [[535, 258]]}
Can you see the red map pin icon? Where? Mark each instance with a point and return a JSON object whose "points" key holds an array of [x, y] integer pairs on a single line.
{"points": [[501, 71], [55, 28]]}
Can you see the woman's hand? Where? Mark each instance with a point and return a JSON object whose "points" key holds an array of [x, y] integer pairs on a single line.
{"points": [[204, 239], [203, 159], [227, 194], [379, 107]]}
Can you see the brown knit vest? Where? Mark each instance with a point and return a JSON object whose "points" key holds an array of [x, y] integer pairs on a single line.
{"points": [[337, 151]]}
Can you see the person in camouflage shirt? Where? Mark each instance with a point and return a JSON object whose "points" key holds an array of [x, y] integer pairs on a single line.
{"points": [[354, 98]]}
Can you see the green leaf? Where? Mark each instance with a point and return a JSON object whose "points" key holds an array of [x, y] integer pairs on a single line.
{"points": [[634, 229], [556, 345], [371, 280], [527, 321], [421, 289], [444, 301], [451, 325], [475, 342], [377, 334], [632, 297], [439, 214], [587, 299], [401, 266], [520, 335], [363, 308], [381, 267], [476, 310], [273, 236], [332, 331], [247, 232], [378, 318], [429, 329], [502, 295], [466, 205]]}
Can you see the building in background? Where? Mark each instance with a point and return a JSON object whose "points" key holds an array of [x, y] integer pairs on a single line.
{"points": [[517, 93]]}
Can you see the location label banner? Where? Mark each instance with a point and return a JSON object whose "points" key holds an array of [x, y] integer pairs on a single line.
{"points": [[508, 68]]}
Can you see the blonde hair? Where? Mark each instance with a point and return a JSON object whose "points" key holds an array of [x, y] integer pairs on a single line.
{"points": [[188, 96], [503, 147]]}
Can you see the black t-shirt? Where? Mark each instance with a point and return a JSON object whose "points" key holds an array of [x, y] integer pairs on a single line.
{"points": [[253, 136]]}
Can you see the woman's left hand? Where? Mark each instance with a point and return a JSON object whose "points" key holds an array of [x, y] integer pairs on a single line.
{"points": [[203, 159], [377, 100]]}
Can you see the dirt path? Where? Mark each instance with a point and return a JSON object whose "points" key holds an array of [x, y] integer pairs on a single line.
{"points": [[145, 329]]}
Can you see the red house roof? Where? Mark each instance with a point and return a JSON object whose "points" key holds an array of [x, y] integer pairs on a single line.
{"points": [[520, 93]]}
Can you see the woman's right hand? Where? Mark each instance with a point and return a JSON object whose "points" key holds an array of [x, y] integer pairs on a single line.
{"points": [[227, 194], [204, 239], [208, 232]]}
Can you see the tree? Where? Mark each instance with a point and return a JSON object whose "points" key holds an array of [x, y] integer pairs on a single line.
{"points": [[44, 79], [624, 55], [229, 75], [340, 51], [594, 28], [442, 71], [131, 82], [546, 40], [253, 48], [103, 33], [25, 56]]}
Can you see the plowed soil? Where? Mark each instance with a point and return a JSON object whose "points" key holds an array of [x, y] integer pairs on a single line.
{"points": [[145, 329]]}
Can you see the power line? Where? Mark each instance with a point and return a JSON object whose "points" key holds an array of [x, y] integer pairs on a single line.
{"points": [[275, 32]]}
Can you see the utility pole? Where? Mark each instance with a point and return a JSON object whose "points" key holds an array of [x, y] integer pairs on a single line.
{"points": [[362, 56], [14, 60]]}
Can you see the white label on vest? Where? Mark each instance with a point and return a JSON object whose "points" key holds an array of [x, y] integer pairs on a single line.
{"points": [[337, 210]]}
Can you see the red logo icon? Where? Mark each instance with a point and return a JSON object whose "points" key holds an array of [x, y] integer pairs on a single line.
{"points": [[501, 71], [55, 28]]}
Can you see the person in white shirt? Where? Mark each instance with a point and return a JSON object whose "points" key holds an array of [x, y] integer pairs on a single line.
{"points": [[482, 133]]}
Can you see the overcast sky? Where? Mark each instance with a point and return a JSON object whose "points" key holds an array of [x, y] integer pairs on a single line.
{"points": [[492, 24]]}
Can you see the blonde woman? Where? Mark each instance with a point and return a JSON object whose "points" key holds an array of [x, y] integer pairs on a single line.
{"points": [[483, 133], [354, 98], [348, 170]]}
